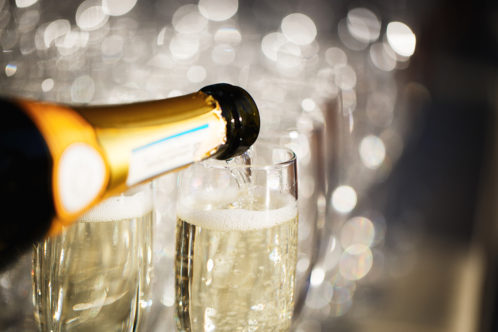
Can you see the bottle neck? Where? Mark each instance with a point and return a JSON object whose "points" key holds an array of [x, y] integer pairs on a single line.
{"points": [[149, 113], [146, 139]]}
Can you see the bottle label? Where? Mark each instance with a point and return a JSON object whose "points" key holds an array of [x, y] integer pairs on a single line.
{"points": [[168, 153]]}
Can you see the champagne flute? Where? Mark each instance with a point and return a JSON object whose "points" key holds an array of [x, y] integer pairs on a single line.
{"points": [[236, 246], [95, 276]]}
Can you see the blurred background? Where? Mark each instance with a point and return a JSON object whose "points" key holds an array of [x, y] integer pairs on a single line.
{"points": [[390, 106]]}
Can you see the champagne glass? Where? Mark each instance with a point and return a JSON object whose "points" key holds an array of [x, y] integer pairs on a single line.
{"points": [[306, 141], [95, 276], [236, 245]]}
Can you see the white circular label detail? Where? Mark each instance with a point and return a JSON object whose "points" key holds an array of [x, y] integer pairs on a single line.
{"points": [[81, 176]]}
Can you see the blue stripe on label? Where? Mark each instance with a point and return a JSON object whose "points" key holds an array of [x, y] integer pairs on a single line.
{"points": [[204, 126]]}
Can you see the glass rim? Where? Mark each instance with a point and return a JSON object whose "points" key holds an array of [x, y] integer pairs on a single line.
{"points": [[222, 164]]}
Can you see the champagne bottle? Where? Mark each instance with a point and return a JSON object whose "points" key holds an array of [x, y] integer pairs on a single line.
{"points": [[57, 161]]}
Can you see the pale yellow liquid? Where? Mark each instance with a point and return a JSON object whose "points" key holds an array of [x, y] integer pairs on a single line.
{"points": [[93, 277], [235, 280]]}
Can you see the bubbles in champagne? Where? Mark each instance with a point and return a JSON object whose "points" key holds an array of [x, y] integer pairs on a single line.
{"points": [[238, 265], [220, 217]]}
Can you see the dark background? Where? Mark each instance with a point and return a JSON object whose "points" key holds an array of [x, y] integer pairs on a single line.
{"points": [[447, 172]]}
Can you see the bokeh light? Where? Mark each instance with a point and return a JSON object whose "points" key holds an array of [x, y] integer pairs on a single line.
{"points": [[71, 42], [363, 25], [401, 38], [342, 299], [82, 89], [320, 297], [196, 74], [10, 69], [299, 28], [183, 47], [334, 56], [356, 262], [187, 19], [344, 199], [345, 77], [381, 58], [54, 30], [372, 151], [289, 59], [228, 35], [357, 230], [302, 264], [308, 104], [317, 276], [117, 7], [90, 15], [218, 10], [47, 84], [271, 43], [112, 47], [347, 39], [25, 3]]}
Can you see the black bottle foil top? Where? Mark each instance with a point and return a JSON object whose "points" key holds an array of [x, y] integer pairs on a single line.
{"points": [[242, 116]]}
